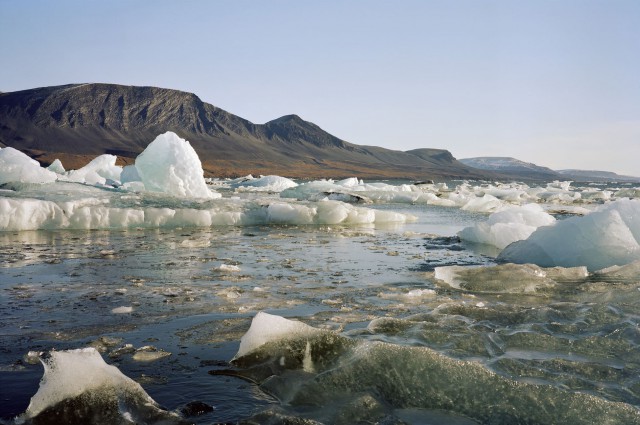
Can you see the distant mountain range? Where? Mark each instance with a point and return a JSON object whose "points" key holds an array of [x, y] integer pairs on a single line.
{"points": [[512, 167], [77, 122], [594, 175], [520, 169]]}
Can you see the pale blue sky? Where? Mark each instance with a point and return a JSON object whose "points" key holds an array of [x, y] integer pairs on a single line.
{"points": [[552, 82]]}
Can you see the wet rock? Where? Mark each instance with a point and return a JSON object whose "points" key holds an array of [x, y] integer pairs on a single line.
{"points": [[196, 408]]}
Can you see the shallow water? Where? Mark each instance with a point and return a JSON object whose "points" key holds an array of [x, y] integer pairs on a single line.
{"points": [[193, 292]]}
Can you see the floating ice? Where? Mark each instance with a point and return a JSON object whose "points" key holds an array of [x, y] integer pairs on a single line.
{"points": [[487, 203], [98, 171], [412, 296], [507, 226], [149, 353], [228, 268], [481, 198], [264, 184], [170, 165], [632, 192], [507, 278], [15, 166], [357, 191], [56, 167], [66, 206], [267, 327], [122, 310], [78, 386], [606, 237], [562, 185]]}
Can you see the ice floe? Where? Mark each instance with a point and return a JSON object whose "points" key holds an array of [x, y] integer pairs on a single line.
{"points": [[57, 167], [170, 165], [508, 225], [99, 171], [79, 386], [263, 184], [16, 166], [266, 328], [606, 237]]}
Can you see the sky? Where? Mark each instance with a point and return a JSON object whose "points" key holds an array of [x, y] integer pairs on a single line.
{"points": [[553, 82]]}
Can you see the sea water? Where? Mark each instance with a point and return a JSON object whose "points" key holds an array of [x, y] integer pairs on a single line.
{"points": [[405, 346]]}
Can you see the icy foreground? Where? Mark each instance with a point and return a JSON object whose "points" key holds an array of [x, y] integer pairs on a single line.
{"points": [[312, 367], [78, 386]]}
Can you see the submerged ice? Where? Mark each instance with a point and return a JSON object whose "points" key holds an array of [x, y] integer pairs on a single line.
{"points": [[394, 377]]}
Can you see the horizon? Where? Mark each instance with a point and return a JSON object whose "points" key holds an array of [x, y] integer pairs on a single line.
{"points": [[550, 83]]}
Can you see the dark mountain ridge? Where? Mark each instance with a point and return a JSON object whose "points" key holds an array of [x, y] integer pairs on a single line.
{"points": [[79, 121]]}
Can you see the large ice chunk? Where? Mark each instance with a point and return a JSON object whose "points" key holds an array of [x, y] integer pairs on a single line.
{"points": [[265, 184], [97, 171], [170, 165], [16, 166], [606, 237], [79, 387], [267, 327], [507, 226]]}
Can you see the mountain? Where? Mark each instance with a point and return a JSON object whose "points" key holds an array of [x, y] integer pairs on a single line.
{"points": [[515, 168], [79, 121], [512, 167], [594, 175]]}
